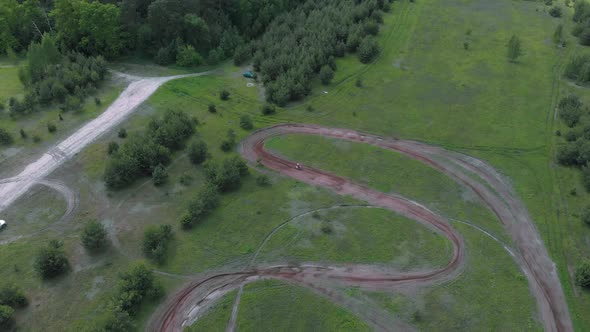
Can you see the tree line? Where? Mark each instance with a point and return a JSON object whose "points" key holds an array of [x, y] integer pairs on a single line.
{"points": [[303, 43], [290, 42], [52, 77]]}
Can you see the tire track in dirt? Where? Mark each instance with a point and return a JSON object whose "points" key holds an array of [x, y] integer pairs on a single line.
{"points": [[530, 253]]}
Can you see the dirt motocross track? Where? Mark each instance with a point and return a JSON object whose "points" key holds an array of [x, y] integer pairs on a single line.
{"points": [[530, 254]]}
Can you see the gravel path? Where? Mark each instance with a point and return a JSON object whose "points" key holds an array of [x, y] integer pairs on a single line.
{"points": [[136, 93]]}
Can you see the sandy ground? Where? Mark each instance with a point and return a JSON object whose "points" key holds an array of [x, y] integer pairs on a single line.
{"points": [[136, 93], [529, 252]]}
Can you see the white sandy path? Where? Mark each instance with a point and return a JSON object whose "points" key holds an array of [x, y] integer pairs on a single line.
{"points": [[136, 93]]}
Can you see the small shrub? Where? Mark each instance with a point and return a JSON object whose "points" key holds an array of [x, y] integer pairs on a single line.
{"points": [[212, 108], [36, 139], [187, 56], [122, 133], [159, 175], [5, 137], [359, 83], [326, 75], [262, 180], [6, 317], [13, 296], [246, 123], [197, 152], [97, 101], [155, 242], [51, 261], [113, 148], [466, 46], [268, 109], [327, 229], [226, 146], [368, 50], [23, 134], [51, 127], [555, 11], [94, 236], [583, 274], [224, 95], [586, 215]]}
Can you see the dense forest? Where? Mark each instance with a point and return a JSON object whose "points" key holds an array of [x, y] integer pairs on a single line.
{"points": [[289, 41]]}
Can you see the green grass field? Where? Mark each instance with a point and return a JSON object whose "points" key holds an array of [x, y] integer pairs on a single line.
{"points": [[424, 86]]}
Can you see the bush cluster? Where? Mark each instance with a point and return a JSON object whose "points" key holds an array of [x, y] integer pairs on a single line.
{"points": [[50, 77], [155, 242], [142, 153], [220, 179]]}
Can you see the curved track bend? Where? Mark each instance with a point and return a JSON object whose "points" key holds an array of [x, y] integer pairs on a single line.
{"points": [[530, 254]]}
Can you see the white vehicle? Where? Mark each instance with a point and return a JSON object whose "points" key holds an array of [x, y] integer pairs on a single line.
{"points": [[2, 224]]}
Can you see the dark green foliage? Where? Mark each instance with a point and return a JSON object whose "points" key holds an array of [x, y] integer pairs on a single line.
{"points": [[6, 317], [51, 127], [51, 261], [583, 274], [12, 296], [246, 122], [567, 155], [327, 228], [558, 35], [50, 77], [155, 242], [578, 69], [23, 134], [586, 178], [94, 236], [224, 95], [187, 56], [571, 136], [198, 152], [228, 144], [117, 320], [368, 50], [224, 178], [122, 133], [227, 177], [206, 200], [514, 48], [326, 75], [570, 110], [89, 27], [262, 180], [212, 108], [243, 53], [97, 101], [268, 109], [134, 287], [159, 175], [36, 139], [5, 137], [142, 153], [586, 215], [582, 19], [555, 11], [298, 44], [359, 83]]}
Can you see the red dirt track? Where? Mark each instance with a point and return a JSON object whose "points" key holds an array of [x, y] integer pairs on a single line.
{"points": [[183, 308]]}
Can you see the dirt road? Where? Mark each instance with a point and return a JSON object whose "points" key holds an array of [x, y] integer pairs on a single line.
{"points": [[136, 93], [488, 184]]}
